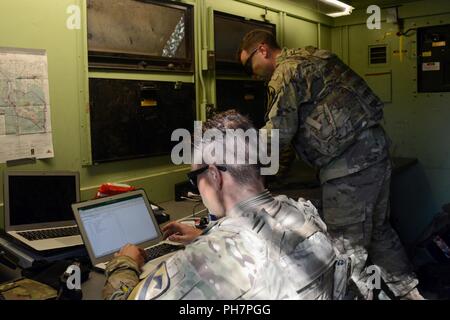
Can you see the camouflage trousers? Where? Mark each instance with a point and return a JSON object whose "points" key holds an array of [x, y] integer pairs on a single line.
{"points": [[356, 211]]}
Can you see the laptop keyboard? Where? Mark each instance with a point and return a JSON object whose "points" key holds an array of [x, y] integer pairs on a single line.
{"points": [[160, 250], [49, 233]]}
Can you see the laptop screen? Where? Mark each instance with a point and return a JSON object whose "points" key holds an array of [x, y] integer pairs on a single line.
{"points": [[34, 199], [112, 224]]}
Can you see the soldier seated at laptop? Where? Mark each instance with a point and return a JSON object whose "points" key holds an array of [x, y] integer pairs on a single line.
{"points": [[262, 247]]}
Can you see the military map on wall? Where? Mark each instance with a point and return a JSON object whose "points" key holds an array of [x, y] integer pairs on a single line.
{"points": [[25, 128]]}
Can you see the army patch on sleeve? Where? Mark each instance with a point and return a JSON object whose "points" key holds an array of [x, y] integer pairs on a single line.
{"points": [[156, 284]]}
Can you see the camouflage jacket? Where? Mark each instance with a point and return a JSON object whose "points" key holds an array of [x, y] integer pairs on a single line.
{"points": [[265, 248], [326, 111]]}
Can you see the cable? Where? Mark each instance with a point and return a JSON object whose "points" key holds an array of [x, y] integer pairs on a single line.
{"points": [[193, 209], [190, 199], [406, 32], [196, 213]]}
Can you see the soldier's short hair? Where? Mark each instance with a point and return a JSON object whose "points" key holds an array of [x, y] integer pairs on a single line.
{"points": [[256, 37], [230, 119], [244, 174]]}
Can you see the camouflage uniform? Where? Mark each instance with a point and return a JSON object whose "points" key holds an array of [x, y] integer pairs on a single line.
{"points": [[26, 289], [332, 119], [265, 248]]}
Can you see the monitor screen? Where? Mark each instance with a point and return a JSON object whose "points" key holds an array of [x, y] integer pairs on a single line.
{"points": [[246, 96], [41, 198], [112, 224], [228, 33], [142, 34], [133, 119]]}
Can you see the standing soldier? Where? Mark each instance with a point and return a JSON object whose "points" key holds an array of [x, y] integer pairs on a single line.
{"points": [[332, 119]]}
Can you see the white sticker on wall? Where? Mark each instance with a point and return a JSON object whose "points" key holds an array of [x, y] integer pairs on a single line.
{"points": [[431, 66]]}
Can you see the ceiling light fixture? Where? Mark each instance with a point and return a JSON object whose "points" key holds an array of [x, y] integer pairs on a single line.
{"points": [[345, 8]]}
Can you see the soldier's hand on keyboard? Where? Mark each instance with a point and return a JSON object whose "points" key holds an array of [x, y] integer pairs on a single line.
{"points": [[134, 252], [180, 232]]}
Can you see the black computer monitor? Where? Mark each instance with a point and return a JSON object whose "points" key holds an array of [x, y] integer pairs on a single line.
{"points": [[134, 119], [39, 197], [228, 33]]}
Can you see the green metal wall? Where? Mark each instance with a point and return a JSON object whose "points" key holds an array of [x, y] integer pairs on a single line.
{"points": [[42, 24], [418, 123]]}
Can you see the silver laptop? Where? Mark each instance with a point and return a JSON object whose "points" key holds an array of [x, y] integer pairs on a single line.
{"points": [[107, 224], [38, 208]]}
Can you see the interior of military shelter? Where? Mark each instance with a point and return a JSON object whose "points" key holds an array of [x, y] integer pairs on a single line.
{"points": [[114, 79]]}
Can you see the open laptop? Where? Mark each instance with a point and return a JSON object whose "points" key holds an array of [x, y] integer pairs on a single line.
{"points": [[107, 224], [38, 208]]}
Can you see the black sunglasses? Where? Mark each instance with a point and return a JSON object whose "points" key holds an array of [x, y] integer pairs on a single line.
{"points": [[248, 67], [192, 176]]}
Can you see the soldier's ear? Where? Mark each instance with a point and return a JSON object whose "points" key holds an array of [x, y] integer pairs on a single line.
{"points": [[264, 50], [215, 175]]}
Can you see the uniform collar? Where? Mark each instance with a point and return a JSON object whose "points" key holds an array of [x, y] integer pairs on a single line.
{"points": [[281, 56], [252, 203]]}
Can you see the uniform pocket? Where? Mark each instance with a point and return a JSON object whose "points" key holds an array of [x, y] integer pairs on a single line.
{"points": [[334, 123]]}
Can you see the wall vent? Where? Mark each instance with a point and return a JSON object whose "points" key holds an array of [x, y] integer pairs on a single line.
{"points": [[378, 55]]}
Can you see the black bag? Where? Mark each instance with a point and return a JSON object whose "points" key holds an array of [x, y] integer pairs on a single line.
{"points": [[432, 256]]}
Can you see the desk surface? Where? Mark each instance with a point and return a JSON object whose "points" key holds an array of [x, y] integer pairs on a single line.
{"points": [[92, 288]]}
